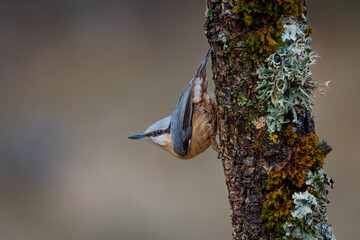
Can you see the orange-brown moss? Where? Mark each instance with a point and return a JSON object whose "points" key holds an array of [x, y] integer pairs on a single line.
{"points": [[259, 141], [308, 152], [309, 31], [290, 177], [274, 138], [290, 135]]}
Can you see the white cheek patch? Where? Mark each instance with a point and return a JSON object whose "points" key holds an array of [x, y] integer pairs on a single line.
{"points": [[161, 140]]}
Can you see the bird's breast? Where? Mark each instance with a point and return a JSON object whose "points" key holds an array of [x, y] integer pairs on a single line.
{"points": [[201, 133]]}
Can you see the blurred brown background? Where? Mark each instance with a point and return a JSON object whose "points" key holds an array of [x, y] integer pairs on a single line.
{"points": [[79, 76]]}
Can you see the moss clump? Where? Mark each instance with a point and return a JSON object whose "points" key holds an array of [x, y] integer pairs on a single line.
{"points": [[309, 31], [267, 39], [278, 207], [274, 138], [259, 141], [264, 41], [210, 13], [290, 135], [290, 177], [308, 153]]}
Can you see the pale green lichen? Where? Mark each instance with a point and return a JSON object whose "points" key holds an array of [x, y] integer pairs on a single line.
{"points": [[285, 77], [222, 38], [241, 100], [309, 217]]}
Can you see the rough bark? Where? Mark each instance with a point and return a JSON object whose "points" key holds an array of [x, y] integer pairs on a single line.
{"points": [[252, 155]]}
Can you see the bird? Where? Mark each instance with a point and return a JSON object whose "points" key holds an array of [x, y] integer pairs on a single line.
{"points": [[192, 126]]}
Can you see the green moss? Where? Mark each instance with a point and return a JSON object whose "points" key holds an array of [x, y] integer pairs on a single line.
{"points": [[248, 19], [278, 204], [267, 39], [277, 207], [210, 13]]}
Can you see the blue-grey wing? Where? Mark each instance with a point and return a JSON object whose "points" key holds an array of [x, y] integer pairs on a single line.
{"points": [[181, 118], [181, 122]]}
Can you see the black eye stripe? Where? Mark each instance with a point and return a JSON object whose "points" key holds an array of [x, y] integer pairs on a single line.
{"points": [[155, 133], [158, 132]]}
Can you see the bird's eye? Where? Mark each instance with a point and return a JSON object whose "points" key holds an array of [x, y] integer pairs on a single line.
{"points": [[159, 132]]}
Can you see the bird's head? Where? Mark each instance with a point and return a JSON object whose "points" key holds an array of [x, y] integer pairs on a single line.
{"points": [[158, 133]]}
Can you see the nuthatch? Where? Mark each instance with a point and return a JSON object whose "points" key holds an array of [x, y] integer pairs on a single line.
{"points": [[191, 128]]}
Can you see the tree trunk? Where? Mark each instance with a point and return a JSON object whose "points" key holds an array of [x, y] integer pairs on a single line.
{"points": [[271, 157]]}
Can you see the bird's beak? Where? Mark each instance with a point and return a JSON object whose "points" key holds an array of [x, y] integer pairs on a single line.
{"points": [[139, 136]]}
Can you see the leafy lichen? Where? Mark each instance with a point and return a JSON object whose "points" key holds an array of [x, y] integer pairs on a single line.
{"points": [[222, 38], [285, 78], [309, 218]]}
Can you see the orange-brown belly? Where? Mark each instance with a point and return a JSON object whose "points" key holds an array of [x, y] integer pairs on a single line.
{"points": [[200, 138], [203, 127]]}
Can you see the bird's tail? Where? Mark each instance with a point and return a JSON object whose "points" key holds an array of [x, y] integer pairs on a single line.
{"points": [[199, 89], [201, 72]]}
